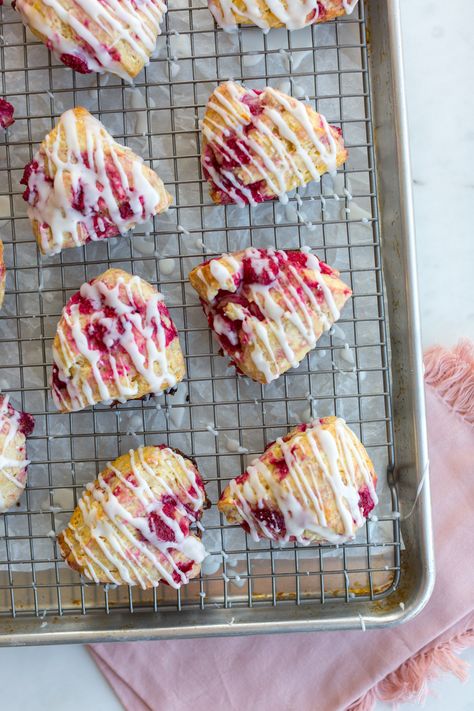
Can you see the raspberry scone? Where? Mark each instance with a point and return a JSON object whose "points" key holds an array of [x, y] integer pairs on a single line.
{"points": [[316, 484], [268, 307], [115, 36], [3, 274], [15, 427], [132, 524], [291, 14], [82, 186], [115, 342], [258, 145]]}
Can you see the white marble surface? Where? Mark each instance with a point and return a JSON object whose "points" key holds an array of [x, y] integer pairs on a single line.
{"points": [[439, 55]]}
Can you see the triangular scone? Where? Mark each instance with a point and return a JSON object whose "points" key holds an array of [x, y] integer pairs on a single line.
{"points": [[268, 307], [291, 14], [3, 274], [132, 525], [83, 186], [6, 113], [115, 342], [315, 484], [115, 36], [15, 427], [259, 144]]}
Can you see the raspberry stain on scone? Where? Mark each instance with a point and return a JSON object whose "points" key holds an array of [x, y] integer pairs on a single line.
{"points": [[316, 484], [259, 145], [83, 186], [116, 36], [291, 14], [268, 307], [132, 525], [15, 427], [115, 342]]}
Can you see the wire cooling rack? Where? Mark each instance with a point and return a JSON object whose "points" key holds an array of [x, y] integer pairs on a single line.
{"points": [[220, 419]]}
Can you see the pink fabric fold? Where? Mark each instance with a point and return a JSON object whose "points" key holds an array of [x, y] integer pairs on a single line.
{"points": [[333, 671]]}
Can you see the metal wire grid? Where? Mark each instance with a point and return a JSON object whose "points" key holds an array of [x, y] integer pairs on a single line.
{"points": [[68, 450]]}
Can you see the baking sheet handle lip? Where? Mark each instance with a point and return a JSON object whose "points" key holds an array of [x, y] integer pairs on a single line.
{"points": [[422, 594]]}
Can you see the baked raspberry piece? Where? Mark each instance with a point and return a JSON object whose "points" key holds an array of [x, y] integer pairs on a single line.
{"points": [[15, 427], [115, 342], [6, 113], [316, 484], [259, 145], [134, 524], [268, 307], [77, 63], [292, 14], [97, 36], [83, 186]]}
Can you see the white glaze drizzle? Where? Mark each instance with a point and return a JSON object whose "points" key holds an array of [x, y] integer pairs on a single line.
{"points": [[298, 496], [136, 22], [269, 166], [349, 5], [9, 427], [153, 365], [295, 310], [222, 270], [123, 538], [52, 204], [292, 14]]}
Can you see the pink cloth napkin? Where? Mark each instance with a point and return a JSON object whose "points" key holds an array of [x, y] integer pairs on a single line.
{"points": [[332, 671]]}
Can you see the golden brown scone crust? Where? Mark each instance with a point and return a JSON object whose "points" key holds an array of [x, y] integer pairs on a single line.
{"points": [[78, 127], [264, 344], [3, 274], [59, 35], [297, 491], [250, 121], [89, 329], [14, 428], [132, 523], [328, 10]]}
